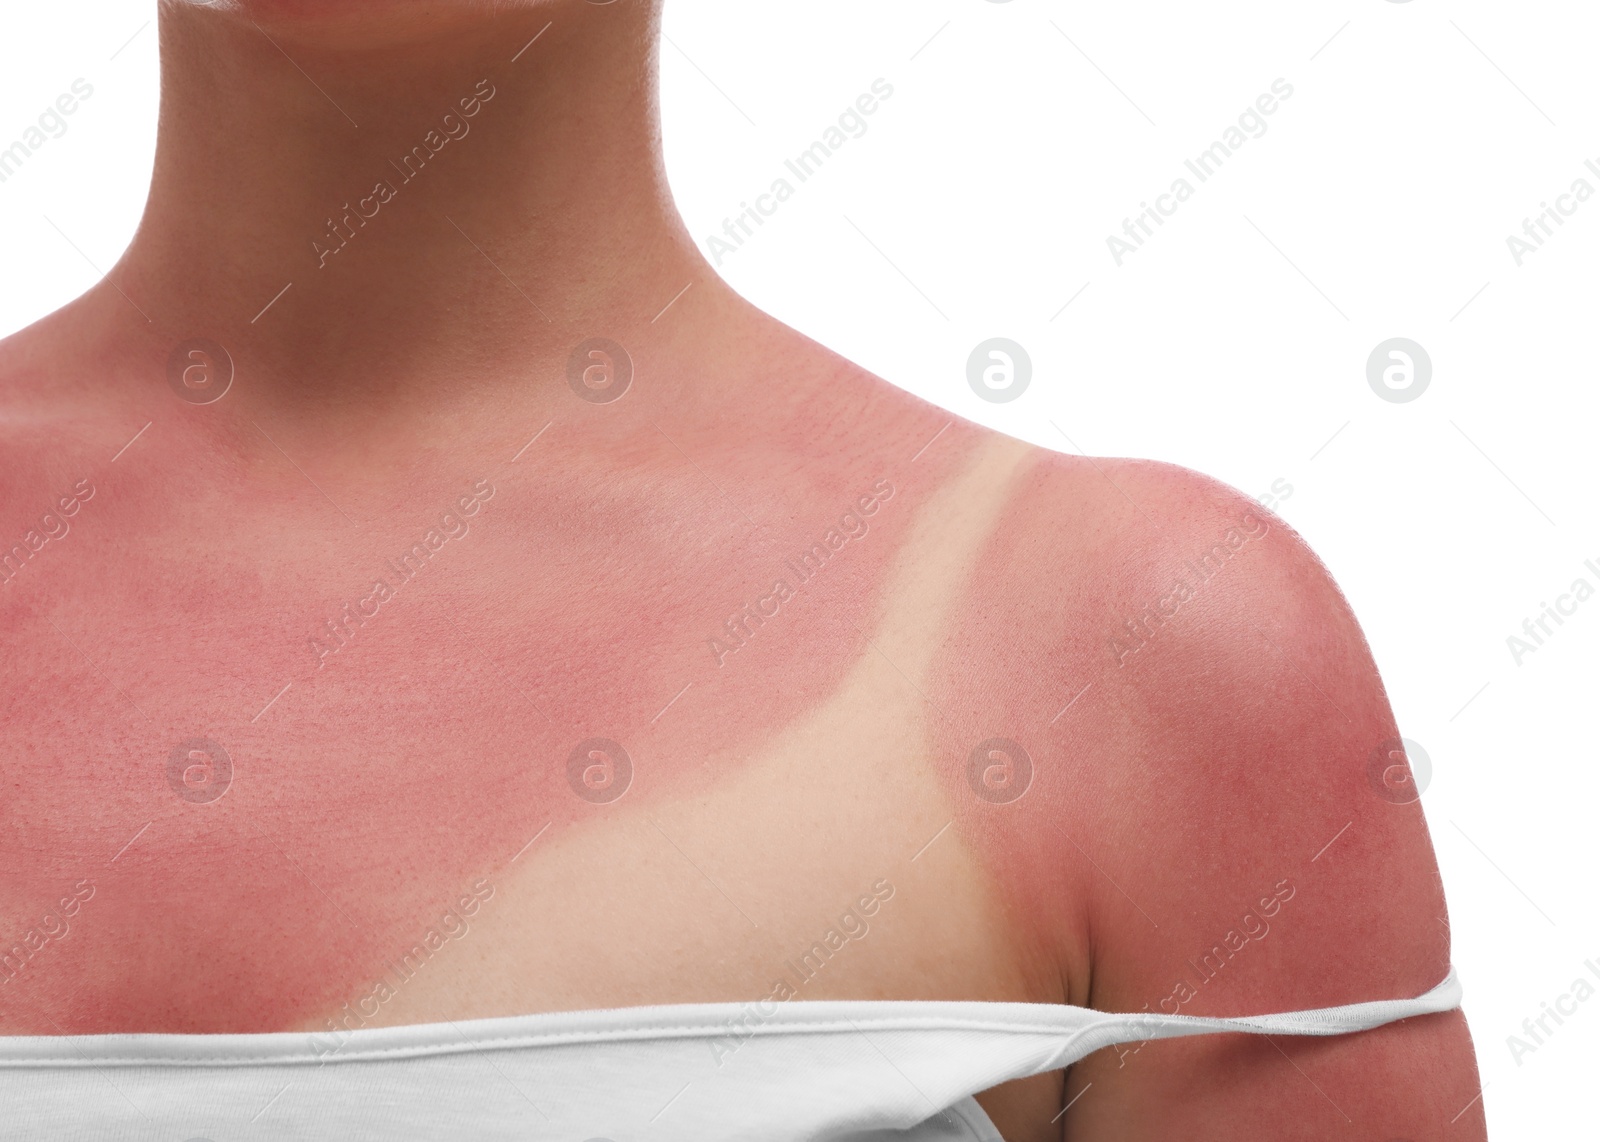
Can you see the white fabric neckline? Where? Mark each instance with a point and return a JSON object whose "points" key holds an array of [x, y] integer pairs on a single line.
{"points": [[862, 1070], [680, 1021]]}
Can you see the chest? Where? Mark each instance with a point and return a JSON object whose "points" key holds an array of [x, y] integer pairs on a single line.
{"points": [[237, 777]]}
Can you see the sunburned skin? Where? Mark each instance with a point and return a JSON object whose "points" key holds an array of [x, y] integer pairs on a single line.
{"points": [[839, 797], [423, 676], [1130, 614], [405, 836], [1200, 720], [381, 761]]}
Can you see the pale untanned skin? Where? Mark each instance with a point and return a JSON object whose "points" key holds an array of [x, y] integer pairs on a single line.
{"points": [[976, 592]]}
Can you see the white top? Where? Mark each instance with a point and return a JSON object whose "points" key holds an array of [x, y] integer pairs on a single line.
{"points": [[863, 1071]]}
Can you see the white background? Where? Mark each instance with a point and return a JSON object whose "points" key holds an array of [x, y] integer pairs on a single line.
{"points": [[1018, 138]]}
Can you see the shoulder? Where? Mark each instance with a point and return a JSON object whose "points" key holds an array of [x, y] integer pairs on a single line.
{"points": [[61, 431], [1213, 754], [31, 415], [49, 398], [1221, 821]]}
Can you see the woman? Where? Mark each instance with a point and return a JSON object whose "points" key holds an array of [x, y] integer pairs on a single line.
{"points": [[437, 597]]}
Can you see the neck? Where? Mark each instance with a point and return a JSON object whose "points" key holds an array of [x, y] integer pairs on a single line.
{"points": [[453, 205]]}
